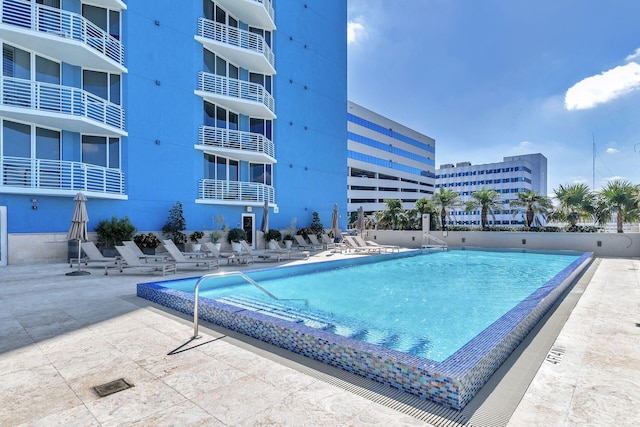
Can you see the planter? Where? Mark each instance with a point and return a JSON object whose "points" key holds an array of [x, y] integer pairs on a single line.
{"points": [[288, 243], [195, 247], [236, 247], [218, 245], [149, 251]]}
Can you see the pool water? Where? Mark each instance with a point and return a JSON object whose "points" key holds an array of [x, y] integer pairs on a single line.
{"points": [[428, 305]]}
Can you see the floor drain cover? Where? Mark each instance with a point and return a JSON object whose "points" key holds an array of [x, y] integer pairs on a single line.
{"points": [[556, 354], [112, 387]]}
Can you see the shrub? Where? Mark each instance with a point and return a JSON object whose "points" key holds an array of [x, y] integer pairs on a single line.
{"points": [[113, 232], [148, 240], [236, 234], [273, 235], [175, 225], [195, 236], [316, 225]]}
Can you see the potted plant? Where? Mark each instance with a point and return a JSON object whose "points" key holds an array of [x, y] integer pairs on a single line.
{"points": [[147, 242], [219, 228], [175, 226], [234, 237], [195, 244], [112, 233], [288, 234]]}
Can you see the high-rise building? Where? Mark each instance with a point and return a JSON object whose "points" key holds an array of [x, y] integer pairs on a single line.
{"points": [[219, 105], [515, 174], [386, 160]]}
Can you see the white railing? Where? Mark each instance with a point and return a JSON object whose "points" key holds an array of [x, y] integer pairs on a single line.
{"points": [[234, 88], [269, 7], [236, 37], [59, 175], [59, 99], [235, 140], [62, 23], [238, 191]]}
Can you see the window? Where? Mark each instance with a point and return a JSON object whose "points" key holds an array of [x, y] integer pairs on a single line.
{"points": [[103, 85], [216, 65], [261, 79], [219, 117], [260, 173], [107, 20], [101, 151], [266, 35], [261, 126], [220, 168]]}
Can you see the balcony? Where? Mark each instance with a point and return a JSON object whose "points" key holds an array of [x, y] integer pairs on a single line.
{"points": [[256, 13], [59, 107], [107, 4], [243, 48], [19, 175], [244, 97], [244, 146], [60, 34], [212, 191]]}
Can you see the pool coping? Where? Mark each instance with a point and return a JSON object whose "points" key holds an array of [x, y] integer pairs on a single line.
{"points": [[452, 383]]}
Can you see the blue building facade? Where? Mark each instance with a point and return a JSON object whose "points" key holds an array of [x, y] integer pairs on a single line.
{"points": [[220, 105]]}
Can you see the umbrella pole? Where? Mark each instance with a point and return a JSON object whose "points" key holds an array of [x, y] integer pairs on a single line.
{"points": [[79, 251]]}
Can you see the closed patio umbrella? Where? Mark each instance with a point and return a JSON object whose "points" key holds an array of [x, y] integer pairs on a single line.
{"points": [[265, 222], [360, 221], [78, 230], [334, 221]]}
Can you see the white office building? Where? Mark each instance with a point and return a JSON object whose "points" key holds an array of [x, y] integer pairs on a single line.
{"points": [[386, 160], [515, 174]]}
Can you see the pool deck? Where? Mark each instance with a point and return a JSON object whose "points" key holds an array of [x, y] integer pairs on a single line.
{"points": [[61, 335]]}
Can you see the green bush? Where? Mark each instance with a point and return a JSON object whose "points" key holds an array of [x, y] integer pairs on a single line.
{"points": [[273, 235], [236, 234], [112, 233], [148, 240], [175, 226]]}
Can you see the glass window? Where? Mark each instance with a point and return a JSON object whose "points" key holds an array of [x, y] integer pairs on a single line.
{"points": [[47, 144], [16, 139], [233, 170], [94, 150], [209, 112], [233, 121], [114, 24], [95, 82], [95, 14], [16, 62], [114, 153], [47, 71], [50, 3], [209, 60], [221, 66], [114, 89], [207, 9]]}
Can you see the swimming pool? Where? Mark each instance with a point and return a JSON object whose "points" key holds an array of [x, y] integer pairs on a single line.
{"points": [[415, 336]]}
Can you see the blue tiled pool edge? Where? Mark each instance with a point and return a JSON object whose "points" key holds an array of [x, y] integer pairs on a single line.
{"points": [[452, 383]]}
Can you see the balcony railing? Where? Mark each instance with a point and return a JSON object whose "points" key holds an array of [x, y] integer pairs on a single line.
{"points": [[250, 50], [46, 97], [18, 173], [235, 192], [257, 13], [239, 90], [227, 139], [61, 23]]}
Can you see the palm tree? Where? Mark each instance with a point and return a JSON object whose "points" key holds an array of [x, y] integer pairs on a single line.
{"points": [[533, 204], [576, 203], [424, 206], [445, 199], [619, 197], [390, 216], [489, 201]]}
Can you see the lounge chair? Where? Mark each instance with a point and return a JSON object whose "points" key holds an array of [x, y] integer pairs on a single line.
{"points": [[181, 259], [315, 242], [170, 243], [138, 252], [131, 260], [229, 256], [358, 248], [302, 244], [328, 242], [93, 255], [261, 255], [275, 247], [369, 243]]}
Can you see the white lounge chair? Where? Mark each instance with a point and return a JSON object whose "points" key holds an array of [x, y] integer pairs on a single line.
{"points": [[181, 259], [275, 247], [138, 252], [131, 260], [369, 243], [358, 248], [328, 242], [229, 256], [302, 244], [261, 255], [93, 255], [315, 242]]}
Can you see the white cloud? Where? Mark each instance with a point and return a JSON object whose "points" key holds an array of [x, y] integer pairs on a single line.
{"points": [[612, 150], [604, 87], [615, 178], [635, 55], [579, 180], [355, 32]]}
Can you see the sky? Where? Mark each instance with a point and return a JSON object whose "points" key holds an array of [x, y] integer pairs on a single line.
{"points": [[494, 78]]}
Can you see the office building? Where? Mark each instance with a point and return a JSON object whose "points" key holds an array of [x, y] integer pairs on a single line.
{"points": [[515, 174]]}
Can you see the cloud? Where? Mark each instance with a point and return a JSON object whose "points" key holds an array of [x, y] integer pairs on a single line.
{"points": [[615, 178], [524, 145], [355, 32], [612, 150], [635, 55], [604, 87]]}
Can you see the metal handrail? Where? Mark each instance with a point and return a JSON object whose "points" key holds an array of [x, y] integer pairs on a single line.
{"points": [[231, 273], [426, 237]]}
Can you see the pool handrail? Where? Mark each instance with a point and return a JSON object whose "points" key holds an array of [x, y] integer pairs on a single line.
{"points": [[231, 273], [426, 237]]}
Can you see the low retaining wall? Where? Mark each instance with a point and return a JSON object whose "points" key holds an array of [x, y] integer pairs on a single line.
{"points": [[601, 244]]}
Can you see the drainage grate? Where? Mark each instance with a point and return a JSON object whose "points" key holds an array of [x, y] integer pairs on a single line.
{"points": [[112, 387], [556, 354]]}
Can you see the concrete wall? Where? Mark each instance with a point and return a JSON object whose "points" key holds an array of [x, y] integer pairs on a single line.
{"points": [[601, 244]]}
